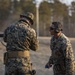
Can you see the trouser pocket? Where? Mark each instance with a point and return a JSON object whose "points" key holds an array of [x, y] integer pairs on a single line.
{"points": [[59, 68]]}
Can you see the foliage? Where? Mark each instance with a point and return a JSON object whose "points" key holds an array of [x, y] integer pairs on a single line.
{"points": [[4, 9], [49, 10]]}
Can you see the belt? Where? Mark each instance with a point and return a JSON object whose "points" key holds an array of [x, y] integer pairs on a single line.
{"points": [[12, 54]]}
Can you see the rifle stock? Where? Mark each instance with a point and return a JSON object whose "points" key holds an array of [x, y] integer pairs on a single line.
{"points": [[1, 34]]}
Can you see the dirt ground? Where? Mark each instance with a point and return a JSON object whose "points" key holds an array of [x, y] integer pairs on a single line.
{"points": [[38, 58]]}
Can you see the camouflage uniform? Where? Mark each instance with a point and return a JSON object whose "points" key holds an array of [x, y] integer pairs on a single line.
{"points": [[62, 56], [19, 37]]}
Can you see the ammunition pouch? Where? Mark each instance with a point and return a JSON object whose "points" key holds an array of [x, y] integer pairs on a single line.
{"points": [[5, 57], [15, 54]]}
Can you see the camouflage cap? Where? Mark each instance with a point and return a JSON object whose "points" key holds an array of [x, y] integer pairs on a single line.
{"points": [[29, 16], [57, 26]]}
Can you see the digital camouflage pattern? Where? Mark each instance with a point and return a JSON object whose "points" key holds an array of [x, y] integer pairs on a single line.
{"points": [[16, 66], [62, 56], [19, 37]]}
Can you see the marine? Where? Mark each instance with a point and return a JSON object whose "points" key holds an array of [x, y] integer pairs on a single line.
{"points": [[20, 39], [62, 57]]}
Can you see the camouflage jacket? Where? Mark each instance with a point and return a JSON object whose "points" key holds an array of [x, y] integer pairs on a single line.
{"points": [[62, 54], [20, 36]]}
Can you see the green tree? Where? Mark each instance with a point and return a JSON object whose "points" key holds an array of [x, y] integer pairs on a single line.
{"points": [[59, 10], [44, 18], [4, 9]]}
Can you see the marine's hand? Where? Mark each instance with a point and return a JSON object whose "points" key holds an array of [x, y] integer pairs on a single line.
{"points": [[48, 65]]}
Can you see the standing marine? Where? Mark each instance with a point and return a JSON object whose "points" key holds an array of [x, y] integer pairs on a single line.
{"points": [[20, 39], [62, 57]]}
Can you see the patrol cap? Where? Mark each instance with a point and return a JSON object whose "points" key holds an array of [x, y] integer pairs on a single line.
{"points": [[56, 26], [28, 16]]}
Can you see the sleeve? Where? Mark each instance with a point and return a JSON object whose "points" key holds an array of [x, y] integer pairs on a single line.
{"points": [[51, 57], [69, 57], [51, 60], [34, 41]]}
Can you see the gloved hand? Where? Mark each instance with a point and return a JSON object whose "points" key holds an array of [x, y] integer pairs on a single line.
{"points": [[48, 65]]}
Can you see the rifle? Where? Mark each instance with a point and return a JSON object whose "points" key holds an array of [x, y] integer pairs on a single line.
{"points": [[1, 34]]}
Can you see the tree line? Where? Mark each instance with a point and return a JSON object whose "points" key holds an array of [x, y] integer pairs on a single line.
{"points": [[49, 10]]}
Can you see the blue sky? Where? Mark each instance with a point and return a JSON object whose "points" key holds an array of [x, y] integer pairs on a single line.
{"points": [[68, 2]]}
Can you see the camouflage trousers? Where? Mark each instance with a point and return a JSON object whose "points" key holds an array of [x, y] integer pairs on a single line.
{"points": [[59, 74], [18, 66], [61, 70], [63, 74]]}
